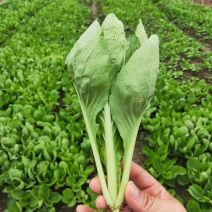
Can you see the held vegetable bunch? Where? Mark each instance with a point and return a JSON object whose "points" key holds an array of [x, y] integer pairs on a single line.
{"points": [[115, 79]]}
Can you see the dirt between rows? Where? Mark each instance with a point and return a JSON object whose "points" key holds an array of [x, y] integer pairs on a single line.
{"points": [[3, 201], [203, 2]]}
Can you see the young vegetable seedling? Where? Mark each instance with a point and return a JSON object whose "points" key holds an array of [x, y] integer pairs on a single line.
{"points": [[115, 79]]}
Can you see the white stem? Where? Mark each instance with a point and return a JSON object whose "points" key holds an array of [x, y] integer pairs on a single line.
{"points": [[110, 152], [97, 160], [126, 173]]}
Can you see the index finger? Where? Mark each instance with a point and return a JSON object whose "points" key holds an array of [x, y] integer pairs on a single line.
{"points": [[141, 177], [95, 185], [138, 175], [147, 183]]}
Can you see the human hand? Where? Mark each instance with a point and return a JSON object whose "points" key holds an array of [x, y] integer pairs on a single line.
{"points": [[143, 194]]}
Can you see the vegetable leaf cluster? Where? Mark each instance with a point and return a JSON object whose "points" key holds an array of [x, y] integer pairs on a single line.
{"points": [[116, 76]]}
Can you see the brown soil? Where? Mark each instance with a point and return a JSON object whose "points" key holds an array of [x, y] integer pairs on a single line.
{"points": [[60, 103], [207, 43], [203, 2], [197, 61], [94, 11], [183, 193], [206, 75], [61, 207], [138, 157], [191, 33], [207, 48], [3, 201]]}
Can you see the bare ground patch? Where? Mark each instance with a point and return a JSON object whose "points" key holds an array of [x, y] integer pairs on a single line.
{"points": [[60, 103], [3, 201], [207, 3], [207, 43], [61, 207], [191, 33], [141, 141], [94, 10], [206, 75], [183, 193]]}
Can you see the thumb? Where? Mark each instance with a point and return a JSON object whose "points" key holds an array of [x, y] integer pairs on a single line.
{"points": [[142, 202]]}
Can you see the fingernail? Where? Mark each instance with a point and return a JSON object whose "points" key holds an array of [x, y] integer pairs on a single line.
{"points": [[133, 190]]}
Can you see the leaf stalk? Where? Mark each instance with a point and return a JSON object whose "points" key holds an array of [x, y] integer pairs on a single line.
{"points": [[126, 172], [97, 160], [110, 153]]}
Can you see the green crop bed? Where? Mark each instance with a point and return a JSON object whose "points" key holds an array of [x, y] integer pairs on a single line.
{"points": [[189, 16], [15, 14], [45, 156]]}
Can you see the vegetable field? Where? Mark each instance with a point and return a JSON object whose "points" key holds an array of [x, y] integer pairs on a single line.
{"points": [[46, 161]]}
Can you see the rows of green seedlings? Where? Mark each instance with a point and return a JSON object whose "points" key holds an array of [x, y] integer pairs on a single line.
{"points": [[179, 122], [179, 51], [15, 14], [44, 155], [189, 15]]}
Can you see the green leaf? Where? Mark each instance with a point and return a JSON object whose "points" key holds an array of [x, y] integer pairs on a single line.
{"points": [[7, 143], [15, 123], [80, 159], [70, 180], [162, 151], [89, 64], [68, 195], [168, 175], [89, 169], [191, 142], [182, 132], [17, 194], [136, 40], [89, 74], [147, 151], [135, 85], [183, 180], [197, 192], [63, 165], [194, 164], [14, 206], [178, 170], [72, 203], [81, 181], [15, 174], [141, 33], [34, 202], [74, 169], [43, 191], [193, 206], [169, 164], [189, 124], [116, 43], [25, 200], [55, 197]]}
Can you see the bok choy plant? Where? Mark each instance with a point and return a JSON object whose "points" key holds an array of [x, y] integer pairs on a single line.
{"points": [[115, 79]]}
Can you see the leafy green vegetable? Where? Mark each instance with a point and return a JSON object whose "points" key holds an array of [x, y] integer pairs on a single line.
{"points": [[115, 80]]}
